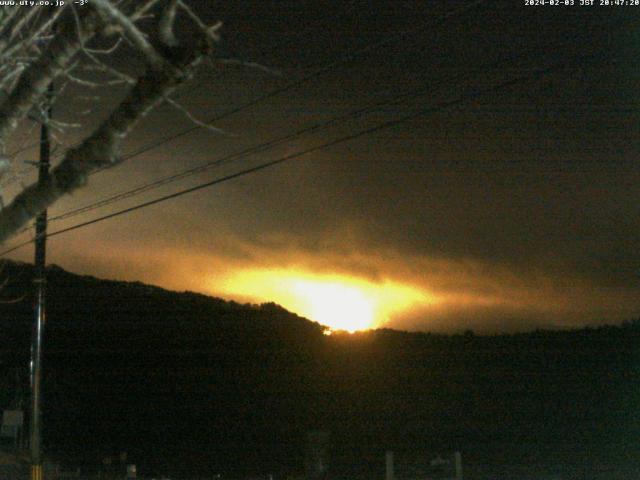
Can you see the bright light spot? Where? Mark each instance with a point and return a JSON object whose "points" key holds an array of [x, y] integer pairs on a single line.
{"points": [[336, 305], [337, 301]]}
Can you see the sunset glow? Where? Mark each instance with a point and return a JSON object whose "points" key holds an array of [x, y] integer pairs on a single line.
{"points": [[337, 301]]}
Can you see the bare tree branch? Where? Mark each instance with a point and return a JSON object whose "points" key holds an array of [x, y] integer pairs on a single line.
{"points": [[195, 120], [35, 49], [36, 78], [37, 33], [115, 16], [101, 149], [252, 65], [166, 24], [8, 22]]}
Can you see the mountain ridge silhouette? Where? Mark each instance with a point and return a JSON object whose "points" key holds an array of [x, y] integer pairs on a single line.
{"points": [[193, 385]]}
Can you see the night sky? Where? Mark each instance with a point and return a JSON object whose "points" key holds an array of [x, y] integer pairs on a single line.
{"points": [[514, 209]]}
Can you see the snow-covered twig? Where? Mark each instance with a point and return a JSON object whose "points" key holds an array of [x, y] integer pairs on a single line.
{"points": [[195, 120]]}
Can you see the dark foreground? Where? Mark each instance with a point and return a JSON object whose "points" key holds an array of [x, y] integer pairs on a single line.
{"points": [[191, 386]]}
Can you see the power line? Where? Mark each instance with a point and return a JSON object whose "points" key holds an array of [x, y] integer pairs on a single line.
{"points": [[244, 153], [259, 148], [268, 145], [256, 149], [291, 85], [305, 79], [381, 126], [301, 81]]}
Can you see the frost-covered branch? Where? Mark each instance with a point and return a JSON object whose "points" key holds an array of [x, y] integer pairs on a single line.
{"points": [[115, 17], [169, 63], [36, 77]]}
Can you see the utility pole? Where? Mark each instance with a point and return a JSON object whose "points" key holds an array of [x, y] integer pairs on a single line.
{"points": [[389, 474], [40, 284]]}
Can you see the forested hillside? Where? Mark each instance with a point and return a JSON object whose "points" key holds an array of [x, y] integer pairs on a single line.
{"points": [[191, 384]]}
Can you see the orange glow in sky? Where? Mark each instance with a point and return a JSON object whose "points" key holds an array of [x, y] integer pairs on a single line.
{"points": [[337, 301]]}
